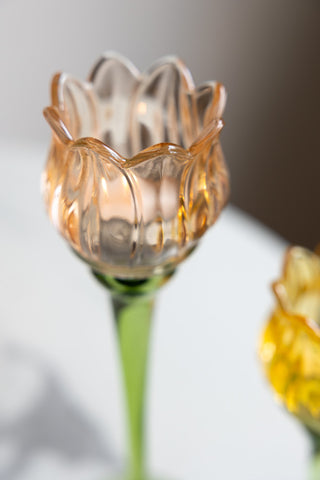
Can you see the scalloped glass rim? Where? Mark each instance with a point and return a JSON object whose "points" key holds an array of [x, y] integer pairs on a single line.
{"points": [[51, 114], [206, 136]]}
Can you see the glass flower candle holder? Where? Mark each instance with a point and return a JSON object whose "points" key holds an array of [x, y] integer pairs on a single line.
{"points": [[134, 178], [290, 344]]}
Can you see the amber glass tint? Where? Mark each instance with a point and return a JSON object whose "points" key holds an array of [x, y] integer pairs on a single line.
{"points": [[135, 174]]}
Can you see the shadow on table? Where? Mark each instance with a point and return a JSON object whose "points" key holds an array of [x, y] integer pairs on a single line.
{"points": [[37, 416]]}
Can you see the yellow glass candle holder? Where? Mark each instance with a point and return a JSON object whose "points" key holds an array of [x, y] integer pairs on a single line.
{"points": [[290, 344]]}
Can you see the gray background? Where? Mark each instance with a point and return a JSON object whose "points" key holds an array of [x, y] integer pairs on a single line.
{"points": [[266, 52]]}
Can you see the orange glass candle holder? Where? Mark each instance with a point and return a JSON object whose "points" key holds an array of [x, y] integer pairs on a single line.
{"points": [[135, 174], [135, 177]]}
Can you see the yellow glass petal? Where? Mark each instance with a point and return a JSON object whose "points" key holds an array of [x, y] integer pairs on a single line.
{"points": [[298, 290], [290, 353]]}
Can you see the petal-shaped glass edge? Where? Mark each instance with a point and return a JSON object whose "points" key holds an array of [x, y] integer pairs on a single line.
{"points": [[56, 123], [112, 56], [54, 115], [300, 267]]}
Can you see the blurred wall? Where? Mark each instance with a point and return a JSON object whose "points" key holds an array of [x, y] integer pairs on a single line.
{"points": [[266, 52]]}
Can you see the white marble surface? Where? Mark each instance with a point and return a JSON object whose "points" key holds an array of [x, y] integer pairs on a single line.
{"points": [[211, 414]]}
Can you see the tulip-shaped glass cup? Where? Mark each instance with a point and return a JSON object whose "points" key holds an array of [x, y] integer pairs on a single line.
{"points": [[135, 176]]}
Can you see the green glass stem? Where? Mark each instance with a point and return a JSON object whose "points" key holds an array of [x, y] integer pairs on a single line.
{"points": [[314, 470], [133, 305], [133, 321]]}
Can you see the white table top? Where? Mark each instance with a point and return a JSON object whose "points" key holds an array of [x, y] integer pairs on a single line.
{"points": [[211, 414]]}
